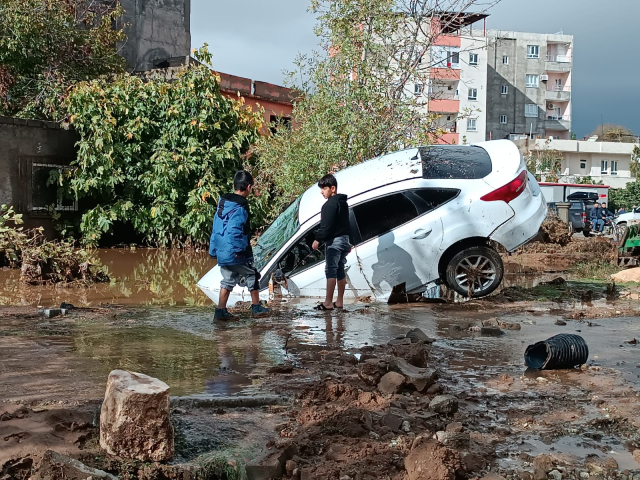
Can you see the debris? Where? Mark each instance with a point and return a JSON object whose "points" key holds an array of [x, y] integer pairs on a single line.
{"points": [[66, 306], [416, 353], [558, 352], [627, 276], [561, 323], [632, 342], [432, 461], [542, 465], [50, 312], [369, 372], [134, 420], [286, 367], [391, 382], [493, 331], [491, 322], [418, 336], [511, 326], [405, 427], [399, 341], [272, 465], [446, 404], [55, 466], [419, 378], [554, 230]]}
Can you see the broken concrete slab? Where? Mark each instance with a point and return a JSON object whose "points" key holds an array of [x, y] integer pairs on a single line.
{"points": [[419, 378], [391, 382], [447, 404], [134, 419], [418, 336]]}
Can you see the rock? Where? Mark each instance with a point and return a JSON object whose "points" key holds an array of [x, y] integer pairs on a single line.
{"points": [[66, 306], [584, 475], [434, 389], [610, 464], [511, 326], [492, 476], [447, 404], [491, 322], [134, 419], [542, 465], [629, 275], [272, 465], [554, 475], [561, 323], [348, 359], [391, 382], [416, 354], [455, 427], [286, 367], [418, 336], [636, 455], [55, 466], [453, 439], [394, 422], [290, 466], [432, 461], [369, 373], [419, 378], [399, 341], [493, 331], [405, 427]]}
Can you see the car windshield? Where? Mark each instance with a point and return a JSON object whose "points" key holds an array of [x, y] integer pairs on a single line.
{"points": [[276, 235]]}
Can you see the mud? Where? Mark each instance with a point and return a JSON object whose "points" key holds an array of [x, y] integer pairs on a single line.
{"points": [[336, 424]]}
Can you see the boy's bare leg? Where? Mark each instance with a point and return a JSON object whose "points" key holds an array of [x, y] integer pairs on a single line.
{"points": [[224, 298], [255, 297], [342, 285], [331, 287]]}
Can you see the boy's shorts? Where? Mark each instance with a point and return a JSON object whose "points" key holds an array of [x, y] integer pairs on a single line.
{"points": [[244, 275], [336, 257]]}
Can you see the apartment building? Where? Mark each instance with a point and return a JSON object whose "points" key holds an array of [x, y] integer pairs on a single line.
{"points": [[529, 85], [491, 85]]}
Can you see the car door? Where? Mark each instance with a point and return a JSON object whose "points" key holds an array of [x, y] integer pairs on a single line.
{"points": [[399, 236]]}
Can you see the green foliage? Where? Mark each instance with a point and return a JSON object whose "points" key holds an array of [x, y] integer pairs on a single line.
{"points": [[595, 270], [356, 97], [157, 154], [587, 180], [625, 197], [46, 46], [545, 162], [634, 166], [12, 237]]}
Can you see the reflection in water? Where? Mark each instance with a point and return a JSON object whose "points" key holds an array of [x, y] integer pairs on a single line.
{"points": [[140, 277]]}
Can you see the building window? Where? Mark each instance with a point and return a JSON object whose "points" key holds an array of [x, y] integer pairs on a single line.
{"points": [[533, 51], [532, 81], [44, 188], [614, 167], [604, 166], [418, 88], [531, 110], [503, 119], [505, 89], [473, 94], [473, 59], [472, 124], [453, 59], [583, 164], [505, 60]]}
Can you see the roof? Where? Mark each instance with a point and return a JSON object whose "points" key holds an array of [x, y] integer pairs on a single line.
{"points": [[454, 21]]}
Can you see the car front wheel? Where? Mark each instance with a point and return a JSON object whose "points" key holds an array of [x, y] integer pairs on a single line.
{"points": [[475, 271]]}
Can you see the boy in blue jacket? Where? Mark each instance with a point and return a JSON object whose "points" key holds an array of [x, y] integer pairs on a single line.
{"points": [[230, 244]]}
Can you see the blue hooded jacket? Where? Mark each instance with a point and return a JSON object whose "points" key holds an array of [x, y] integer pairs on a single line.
{"points": [[230, 236]]}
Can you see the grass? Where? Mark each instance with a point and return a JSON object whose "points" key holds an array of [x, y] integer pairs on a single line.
{"points": [[595, 270]]}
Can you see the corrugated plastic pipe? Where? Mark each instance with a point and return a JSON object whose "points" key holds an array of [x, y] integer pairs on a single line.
{"points": [[560, 351]]}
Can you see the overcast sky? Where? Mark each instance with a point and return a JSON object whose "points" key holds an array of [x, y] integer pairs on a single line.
{"points": [[259, 39]]}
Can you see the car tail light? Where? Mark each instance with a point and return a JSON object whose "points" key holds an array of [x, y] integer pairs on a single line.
{"points": [[584, 217], [508, 192]]}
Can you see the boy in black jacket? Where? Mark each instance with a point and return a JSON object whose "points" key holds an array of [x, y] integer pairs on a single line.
{"points": [[334, 232]]}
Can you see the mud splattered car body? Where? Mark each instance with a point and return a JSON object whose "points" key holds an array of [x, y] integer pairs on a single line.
{"points": [[418, 216]]}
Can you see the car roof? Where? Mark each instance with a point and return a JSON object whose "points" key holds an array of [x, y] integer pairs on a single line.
{"points": [[388, 169]]}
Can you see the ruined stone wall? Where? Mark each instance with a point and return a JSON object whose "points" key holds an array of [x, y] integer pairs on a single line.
{"points": [[156, 30]]}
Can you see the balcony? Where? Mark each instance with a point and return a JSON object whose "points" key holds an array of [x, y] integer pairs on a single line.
{"points": [[443, 40], [558, 93], [558, 122], [558, 63], [451, 138], [444, 103], [452, 73]]}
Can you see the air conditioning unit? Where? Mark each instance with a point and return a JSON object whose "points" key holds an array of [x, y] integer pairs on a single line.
{"points": [[550, 106], [544, 78]]}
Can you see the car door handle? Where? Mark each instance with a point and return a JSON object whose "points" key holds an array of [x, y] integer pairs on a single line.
{"points": [[420, 234]]}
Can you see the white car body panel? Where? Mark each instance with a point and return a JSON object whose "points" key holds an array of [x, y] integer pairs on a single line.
{"points": [[629, 218], [410, 253]]}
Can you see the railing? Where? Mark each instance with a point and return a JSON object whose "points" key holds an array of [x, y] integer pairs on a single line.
{"points": [[558, 88], [559, 58], [559, 117], [443, 96]]}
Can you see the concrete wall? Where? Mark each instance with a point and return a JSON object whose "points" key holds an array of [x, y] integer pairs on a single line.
{"points": [[473, 77], [22, 143], [156, 30]]}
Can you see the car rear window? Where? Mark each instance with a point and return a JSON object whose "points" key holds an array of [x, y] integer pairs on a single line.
{"points": [[454, 162]]}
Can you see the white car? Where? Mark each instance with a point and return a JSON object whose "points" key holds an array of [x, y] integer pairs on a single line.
{"points": [[628, 218], [418, 216]]}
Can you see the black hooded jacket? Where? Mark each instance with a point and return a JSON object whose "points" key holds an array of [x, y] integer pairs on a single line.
{"points": [[334, 219]]}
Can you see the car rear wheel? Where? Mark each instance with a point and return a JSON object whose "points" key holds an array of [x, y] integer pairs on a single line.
{"points": [[475, 271]]}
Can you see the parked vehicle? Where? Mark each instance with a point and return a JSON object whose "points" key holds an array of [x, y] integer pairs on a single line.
{"points": [[418, 216], [628, 218], [578, 217]]}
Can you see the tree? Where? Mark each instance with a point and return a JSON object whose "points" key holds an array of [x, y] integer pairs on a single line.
{"points": [[357, 96], [614, 133], [157, 154], [48, 45], [634, 165], [545, 162], [625, 197]]}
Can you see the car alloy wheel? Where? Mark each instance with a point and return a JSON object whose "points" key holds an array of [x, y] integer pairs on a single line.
{"points": [[475, 272]]}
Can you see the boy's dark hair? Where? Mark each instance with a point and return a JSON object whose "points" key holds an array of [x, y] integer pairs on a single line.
{"points": [[328, 181], [242, 180]]}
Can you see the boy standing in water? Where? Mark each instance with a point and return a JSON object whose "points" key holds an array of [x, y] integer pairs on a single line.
{"points": [[230, 244], [334, 232]]}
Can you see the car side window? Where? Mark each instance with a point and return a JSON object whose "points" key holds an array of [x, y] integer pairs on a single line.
{"points": [[383, 214], [428, 199], [301, 256]]}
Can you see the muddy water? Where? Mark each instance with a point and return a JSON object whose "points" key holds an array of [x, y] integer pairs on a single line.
{"points": [[138, 277]]}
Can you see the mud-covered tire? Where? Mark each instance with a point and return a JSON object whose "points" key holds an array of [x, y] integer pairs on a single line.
{"points": [[485, 266], [587, 233]]}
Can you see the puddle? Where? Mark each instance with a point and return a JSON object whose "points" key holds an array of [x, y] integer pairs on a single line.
{"points": [[138, 277]]}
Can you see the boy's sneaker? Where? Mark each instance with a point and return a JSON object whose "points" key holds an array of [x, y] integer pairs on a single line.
{"points": [[259, 311], [223, 314]]}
